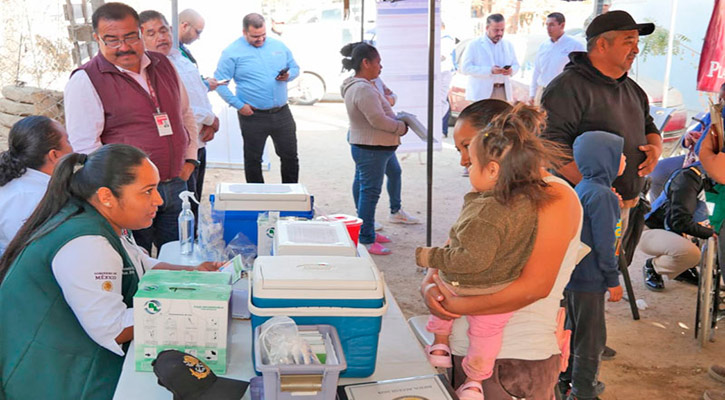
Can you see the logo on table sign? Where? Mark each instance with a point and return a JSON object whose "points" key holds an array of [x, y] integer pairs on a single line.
{"points": [[152, 306], [270, 232]]}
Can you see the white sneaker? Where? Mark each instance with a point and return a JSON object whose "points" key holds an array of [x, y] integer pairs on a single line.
{"points": [[402, 217], [464, 173], [378, 226]]}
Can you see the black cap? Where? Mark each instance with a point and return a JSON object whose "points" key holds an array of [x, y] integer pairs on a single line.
{"points": [[617, 21], [188, 378]]}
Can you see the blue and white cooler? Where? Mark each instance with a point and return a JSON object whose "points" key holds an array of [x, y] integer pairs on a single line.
{"points": [[345, 292], [240, 204]]}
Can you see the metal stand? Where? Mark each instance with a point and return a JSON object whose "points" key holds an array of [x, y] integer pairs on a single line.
{"points": [[628, 284]]}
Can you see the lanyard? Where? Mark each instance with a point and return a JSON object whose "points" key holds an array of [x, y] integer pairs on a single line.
{"points": [[152, 93]]}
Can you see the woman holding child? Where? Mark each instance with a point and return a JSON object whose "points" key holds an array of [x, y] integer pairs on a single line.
{"points": [[528, 354]]}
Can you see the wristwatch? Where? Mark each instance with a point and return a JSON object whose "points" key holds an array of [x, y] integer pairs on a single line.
{"points": [[193, 161]]}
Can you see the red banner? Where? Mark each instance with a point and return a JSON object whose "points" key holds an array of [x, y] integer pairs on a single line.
{"points": [[711, 73]]}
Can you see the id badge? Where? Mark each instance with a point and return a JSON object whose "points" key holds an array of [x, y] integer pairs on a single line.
{"points": [[163, 125]]}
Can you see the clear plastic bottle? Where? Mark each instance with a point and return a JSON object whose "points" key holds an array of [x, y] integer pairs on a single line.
{"points": [[186, 223]]}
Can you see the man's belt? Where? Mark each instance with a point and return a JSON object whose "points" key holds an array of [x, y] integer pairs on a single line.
{"points": [[270, 110], [497, 85]]}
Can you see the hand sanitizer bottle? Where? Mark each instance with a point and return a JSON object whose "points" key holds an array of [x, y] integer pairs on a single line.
{"points": [[186, 223]]}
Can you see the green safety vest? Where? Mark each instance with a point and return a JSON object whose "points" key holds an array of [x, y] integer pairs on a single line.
{"points": [[44, 351]]}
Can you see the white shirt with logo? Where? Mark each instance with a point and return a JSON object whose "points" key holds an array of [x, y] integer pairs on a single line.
{"points": [[89, 272]]}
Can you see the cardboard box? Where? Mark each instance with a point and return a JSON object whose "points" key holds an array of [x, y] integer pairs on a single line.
{"points": [[183, 310]]}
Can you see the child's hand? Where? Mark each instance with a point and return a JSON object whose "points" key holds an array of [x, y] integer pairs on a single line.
{"points": [[621, 202], [422, 256], [615, 293]]}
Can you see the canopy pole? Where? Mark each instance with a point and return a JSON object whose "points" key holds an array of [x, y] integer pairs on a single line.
{"points": [[431, 98], [670, 50], [175, 22], [362, 20]]}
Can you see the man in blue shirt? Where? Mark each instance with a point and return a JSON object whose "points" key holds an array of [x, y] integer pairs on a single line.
{"points": [[261, 68]]}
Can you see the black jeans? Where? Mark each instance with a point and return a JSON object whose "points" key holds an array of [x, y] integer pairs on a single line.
{"points": [[585, 318], [196, 183], [165, 227], [281, 127]]}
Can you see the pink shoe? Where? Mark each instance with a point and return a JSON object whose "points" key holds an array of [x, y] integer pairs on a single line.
{"points": [[380, 238], [438, 360], [467, 392], [377, 249]]}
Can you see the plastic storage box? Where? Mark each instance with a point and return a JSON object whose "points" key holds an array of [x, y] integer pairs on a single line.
{"points": [[304, 382], [345, 292], [239, 205], [297, 238]]}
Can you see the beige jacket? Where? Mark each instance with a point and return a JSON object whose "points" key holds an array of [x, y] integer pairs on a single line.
{"points": [[372, 120]]}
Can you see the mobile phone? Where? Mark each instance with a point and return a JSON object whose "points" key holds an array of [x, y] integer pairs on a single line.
{"points": [[282, 71], [224, 82], [507, 67]]}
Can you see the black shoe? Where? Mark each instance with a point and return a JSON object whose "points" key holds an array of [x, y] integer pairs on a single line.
{"points": [[608, 353], [652, 280], [690, 276]]}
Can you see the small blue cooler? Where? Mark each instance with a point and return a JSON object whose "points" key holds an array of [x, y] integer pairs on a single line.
{"points": [[345, 292], [239, 205]]}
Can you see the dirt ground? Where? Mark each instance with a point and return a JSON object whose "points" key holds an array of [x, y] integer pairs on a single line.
{"points": [[658, 357]]}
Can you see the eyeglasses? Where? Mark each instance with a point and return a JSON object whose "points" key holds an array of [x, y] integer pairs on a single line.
{"points": [[115, 43]]}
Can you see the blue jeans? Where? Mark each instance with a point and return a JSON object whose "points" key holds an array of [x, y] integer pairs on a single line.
{"points": [[370, 167], [165, 227], [394, 174]]}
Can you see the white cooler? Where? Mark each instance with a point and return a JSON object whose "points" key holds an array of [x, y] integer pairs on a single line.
{"points": [[345, 292], [239, 205], [299, 238]]}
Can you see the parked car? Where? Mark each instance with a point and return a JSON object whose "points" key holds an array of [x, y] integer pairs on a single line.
{"points": [[315, 37], [671, 133]]}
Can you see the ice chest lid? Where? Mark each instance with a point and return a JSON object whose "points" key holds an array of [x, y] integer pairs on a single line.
{"points": [[314, 273], [312, 233], [261, 191]]}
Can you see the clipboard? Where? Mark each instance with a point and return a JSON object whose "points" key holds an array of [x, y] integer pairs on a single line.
{"points": [[414, 123]]}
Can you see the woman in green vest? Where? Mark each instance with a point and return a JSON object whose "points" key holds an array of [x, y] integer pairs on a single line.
{"points": [[68, 278]]}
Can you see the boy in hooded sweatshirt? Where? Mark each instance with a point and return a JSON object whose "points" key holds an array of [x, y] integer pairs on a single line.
{"points": [[600, 160]]}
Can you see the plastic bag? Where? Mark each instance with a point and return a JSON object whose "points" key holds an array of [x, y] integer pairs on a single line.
{"points": [[242, 246], [281, 343], [210, 245]]}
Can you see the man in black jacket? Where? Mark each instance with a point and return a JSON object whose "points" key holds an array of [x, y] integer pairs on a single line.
{"points": [[672, 216], [594, 93]]}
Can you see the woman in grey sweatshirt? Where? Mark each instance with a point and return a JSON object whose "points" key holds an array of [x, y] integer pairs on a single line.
{"points": [[374, 136]]}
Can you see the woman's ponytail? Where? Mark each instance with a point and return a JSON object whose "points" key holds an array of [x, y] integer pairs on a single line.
{"points": [[29, 142], [10, 167]]}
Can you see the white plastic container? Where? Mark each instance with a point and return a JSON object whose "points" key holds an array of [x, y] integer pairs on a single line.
{"points": [[298, 238], [261, 197]]}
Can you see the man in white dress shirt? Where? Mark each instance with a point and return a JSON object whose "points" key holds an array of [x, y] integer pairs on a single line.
{"points": [[156, 34], [489, 62], [552, 56]]}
